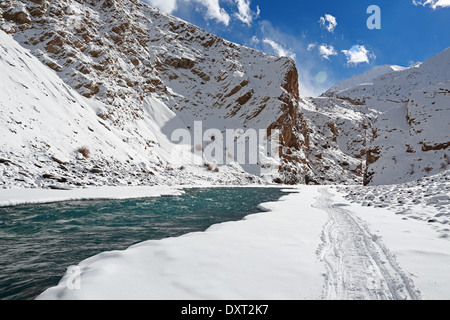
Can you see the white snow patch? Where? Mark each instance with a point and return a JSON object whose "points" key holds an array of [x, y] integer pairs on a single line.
{"points": [[11, 197]]}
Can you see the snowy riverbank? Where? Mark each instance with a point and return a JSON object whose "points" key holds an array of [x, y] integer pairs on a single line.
{"points": [[11, 197], [281, 254]]}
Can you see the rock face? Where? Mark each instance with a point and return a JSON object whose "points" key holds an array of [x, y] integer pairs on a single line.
{"points": [[338, 134]]}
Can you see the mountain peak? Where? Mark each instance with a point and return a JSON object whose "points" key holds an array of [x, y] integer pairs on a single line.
{"points": [[364, 78]]}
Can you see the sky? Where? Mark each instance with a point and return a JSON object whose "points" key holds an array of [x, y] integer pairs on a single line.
{"points": [[330, 40]]}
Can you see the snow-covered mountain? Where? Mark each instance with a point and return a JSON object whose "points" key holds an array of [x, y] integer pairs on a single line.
{"points": [[47, 126], [336, 133], [396, 86], [92, 91], [410, 134], [364, 78], [144, 74]]}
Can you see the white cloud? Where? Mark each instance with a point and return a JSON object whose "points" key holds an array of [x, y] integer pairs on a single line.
{"points": [[213, 9], [168, 6], [328, 22], [311, 46], [358, 54], [255, 40], [279, 49], [245, 14], [432, 3], [326, 51]]}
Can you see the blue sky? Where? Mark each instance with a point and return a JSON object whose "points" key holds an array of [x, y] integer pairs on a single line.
{"points": [[329, 39]]}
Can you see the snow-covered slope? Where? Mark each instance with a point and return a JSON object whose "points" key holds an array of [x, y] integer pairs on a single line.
{"points": [[389, 125], [412, 140], [365, 78], [396, 86], [51, 136], [45, 125], [121, 51], [410, 111]]}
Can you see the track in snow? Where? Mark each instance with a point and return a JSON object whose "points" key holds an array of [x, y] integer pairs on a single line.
{"points": [[358, 265]]}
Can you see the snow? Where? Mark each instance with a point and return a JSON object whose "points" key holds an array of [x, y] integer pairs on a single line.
{"points": [[18, 196], [417, 246], [425, 200], [406, 114], [283, 253], [359, 265], [365, 78], [413, 220]]}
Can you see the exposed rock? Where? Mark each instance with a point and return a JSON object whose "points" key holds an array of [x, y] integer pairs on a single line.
{"points": [[245, 98], [435, 147], [58, 161], [182, 63], [18, 15]]}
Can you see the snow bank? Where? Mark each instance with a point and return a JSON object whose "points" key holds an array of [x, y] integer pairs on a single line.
{"points": [[10, 197], [426, 199], [266, 256]]}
